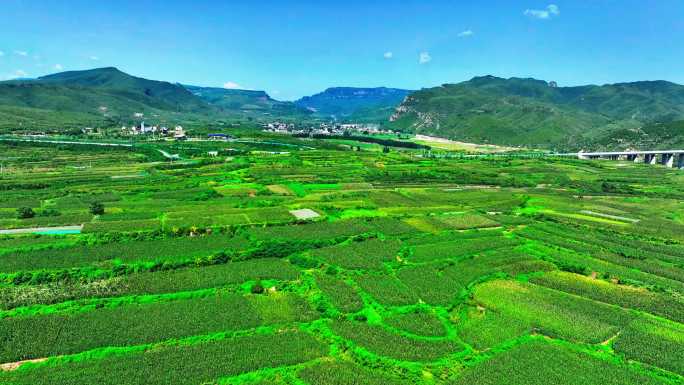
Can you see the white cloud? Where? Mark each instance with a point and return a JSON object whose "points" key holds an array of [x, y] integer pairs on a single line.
{"points": [[466, 33], [94, 58], [546, 13], [58, 67], [388, 55], [424, 58], [232, 86], [21, 53], [14, 75]]}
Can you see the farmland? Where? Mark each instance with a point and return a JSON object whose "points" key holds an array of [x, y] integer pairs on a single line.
{"points": [[415, 269]]}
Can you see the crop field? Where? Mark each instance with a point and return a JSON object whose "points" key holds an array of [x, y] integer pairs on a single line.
{"points": [[418, 269]]}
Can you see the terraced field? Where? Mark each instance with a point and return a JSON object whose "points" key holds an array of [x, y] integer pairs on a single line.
{"points": [[417, 270]]}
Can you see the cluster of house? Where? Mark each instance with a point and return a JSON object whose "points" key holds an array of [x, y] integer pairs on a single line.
{"points": [[177, 133], [279, 127], [326, 129]]}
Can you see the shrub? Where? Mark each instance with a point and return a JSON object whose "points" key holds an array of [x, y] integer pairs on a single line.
{"points": [[97, 208], [25, 213], [257, 288], [304, 261], [50, 213]]}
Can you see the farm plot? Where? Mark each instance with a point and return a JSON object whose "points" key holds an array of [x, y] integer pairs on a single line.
{"points": [[418, 322], [618, 255], [122, 226], [344, 373], [545, 311], [158, 282], [466, 221], [386, 289], [539, 362], [456, 249], [33, 242], [441, 282], [311, 232], [142, 323], [369, 254], [382, 342], [660, 304], [391, 227], [576, 262], [168, 249], [340, 293], [653, 342], [183, 364], [465, 236]]}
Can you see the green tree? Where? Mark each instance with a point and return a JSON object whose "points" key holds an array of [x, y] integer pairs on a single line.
{"points": [[257, 288], [25, 213], [97, 208]]}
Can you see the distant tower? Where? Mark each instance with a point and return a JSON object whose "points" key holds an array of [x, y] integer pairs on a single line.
{"points": [[142, 126]]}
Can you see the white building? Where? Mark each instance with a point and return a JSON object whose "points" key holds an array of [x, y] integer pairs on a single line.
{"points": [[179, 133]]}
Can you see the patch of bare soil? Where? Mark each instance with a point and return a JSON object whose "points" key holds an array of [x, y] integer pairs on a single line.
{"points": [[15, 365]]}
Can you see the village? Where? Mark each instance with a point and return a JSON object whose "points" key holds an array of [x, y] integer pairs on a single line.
{"points": [[177, 133], [327, 129]]}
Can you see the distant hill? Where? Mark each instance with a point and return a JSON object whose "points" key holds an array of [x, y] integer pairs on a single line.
{"points": [[536, 113], [108, 97], [156, 94], [359, 104], [98, 97], [246, 102]]}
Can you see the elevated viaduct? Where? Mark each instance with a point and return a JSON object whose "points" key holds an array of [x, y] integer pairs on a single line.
{"points": [[667, 158]]}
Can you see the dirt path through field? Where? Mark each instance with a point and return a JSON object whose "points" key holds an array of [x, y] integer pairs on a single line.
{"points": [[15, 365]]}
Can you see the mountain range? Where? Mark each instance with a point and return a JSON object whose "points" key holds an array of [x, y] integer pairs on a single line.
{"points": [[536, 113], [354, 104], [108, 97], [487, 109]]}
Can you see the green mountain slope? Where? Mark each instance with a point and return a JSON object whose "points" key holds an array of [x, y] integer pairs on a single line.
{"points": [[357, 104], [157, 94], [663, 136], [247, 102], [104, 97], [535, 113]]}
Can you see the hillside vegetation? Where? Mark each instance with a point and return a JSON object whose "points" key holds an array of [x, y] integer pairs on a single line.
{"points": [[354, 104], [247, 102], [535, 113], [108, 97]]}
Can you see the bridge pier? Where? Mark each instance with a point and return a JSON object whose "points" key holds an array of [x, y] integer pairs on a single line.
{"points": [[667, 160]]}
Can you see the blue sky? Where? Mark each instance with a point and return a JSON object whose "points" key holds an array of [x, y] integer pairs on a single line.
{"points": [[295, 48]]}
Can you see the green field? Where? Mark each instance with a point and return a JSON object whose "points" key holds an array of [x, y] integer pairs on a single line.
{"points": [[418, 269]]}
